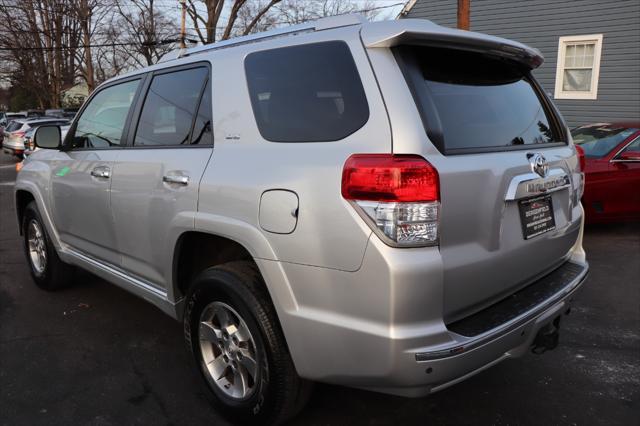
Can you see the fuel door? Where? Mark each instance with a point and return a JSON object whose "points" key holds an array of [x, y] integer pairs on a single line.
{"points": [[279, 211]]}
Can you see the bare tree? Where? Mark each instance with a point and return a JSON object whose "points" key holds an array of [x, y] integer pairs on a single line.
{"points": [[293, 12], [91, 16], [51, 45], [245, 17], [209, 24], [40, 32], [146, 29], [111, 59]]}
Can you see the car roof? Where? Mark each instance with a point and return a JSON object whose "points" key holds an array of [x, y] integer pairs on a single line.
{"points": [[42, 119], [612, 124]]}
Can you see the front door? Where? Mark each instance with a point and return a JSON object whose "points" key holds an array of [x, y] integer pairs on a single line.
{"points": [[625, 194], [81, 176], [154, 189]]}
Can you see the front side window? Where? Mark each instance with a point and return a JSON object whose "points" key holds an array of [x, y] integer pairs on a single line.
{"points": [[169, 108], [598, 141], [102, 122], [631, 152], [578, 67], [306, 93]]}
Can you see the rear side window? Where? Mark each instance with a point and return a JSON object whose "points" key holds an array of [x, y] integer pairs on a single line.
{"points": [[169, 108], [202, 130], [307, 93], [472, 102]]}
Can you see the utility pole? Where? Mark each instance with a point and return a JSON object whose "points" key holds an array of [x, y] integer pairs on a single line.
{"points": [[464, 8], [183, 30]]}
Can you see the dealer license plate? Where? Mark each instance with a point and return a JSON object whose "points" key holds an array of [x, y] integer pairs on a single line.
{"points": [[536, 216]]}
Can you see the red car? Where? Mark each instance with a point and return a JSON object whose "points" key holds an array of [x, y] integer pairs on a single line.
{"points": [[612, 171]]}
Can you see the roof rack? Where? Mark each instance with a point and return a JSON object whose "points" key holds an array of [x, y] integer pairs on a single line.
{"points": [[320, 24]]}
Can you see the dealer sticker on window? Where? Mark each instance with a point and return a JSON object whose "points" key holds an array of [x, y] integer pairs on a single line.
{"points": [[536, 215]]}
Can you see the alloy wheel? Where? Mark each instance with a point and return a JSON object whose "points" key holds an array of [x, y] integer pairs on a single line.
{"points": [[228, 351], [37, 247]]}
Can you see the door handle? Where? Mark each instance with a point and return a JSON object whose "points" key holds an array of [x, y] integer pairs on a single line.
{"points": [[178, 179], [101, 172]]}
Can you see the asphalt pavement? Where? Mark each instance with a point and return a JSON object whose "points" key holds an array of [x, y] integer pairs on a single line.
{"points": [[94, 354]]}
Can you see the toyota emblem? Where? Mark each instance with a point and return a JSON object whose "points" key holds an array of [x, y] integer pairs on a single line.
{"points": [[538, 164]]}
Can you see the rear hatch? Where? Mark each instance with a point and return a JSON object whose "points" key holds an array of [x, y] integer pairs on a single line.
{"points": [[509, 211]]}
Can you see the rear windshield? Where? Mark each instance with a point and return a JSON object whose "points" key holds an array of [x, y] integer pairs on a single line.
{"points": [[13, 126], [599, 140], [471, 102]]}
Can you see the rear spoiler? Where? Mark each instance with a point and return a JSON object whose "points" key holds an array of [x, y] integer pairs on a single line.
{"points": [[423, 32]]}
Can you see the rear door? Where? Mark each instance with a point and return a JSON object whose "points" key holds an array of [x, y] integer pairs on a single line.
{"points": [[81, 174], [154, 191], [509, 213]]}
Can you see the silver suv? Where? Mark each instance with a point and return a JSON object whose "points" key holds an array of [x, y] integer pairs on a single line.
{"points": [[391, 206]]}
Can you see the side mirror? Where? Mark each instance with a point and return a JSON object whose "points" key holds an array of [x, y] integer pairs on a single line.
{"points": [[629, 156], [47, 137]]}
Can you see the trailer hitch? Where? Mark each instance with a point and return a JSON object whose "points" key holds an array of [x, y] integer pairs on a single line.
{"points": [[547, 338]]}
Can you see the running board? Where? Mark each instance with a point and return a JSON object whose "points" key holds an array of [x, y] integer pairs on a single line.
{"points": [[117, 276]]}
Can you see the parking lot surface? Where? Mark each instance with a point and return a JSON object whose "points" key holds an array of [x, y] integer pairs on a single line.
{"points": [[95, 355]]}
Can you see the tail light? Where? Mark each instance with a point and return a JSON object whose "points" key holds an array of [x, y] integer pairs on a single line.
{"points": [[581, 159], [579, 191], [397, 195], [19, 134]]}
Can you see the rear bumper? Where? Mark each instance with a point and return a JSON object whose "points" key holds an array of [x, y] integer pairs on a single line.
{"points": [[10, 147], [513, 338], [381, 328]]}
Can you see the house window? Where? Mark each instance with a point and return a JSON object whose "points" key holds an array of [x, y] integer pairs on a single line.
{"points": [[578, 67]]}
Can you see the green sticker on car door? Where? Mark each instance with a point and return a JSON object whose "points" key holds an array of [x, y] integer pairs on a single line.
{"points": [[63, 171]]}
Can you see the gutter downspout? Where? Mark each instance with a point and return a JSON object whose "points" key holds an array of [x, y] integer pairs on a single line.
{"points": [[406, 9]]}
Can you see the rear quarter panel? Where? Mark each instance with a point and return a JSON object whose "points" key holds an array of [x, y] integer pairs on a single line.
{"points": [[244, 165]]}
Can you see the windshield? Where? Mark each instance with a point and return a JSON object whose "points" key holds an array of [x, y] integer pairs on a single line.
{"points": [[475, 102], [598, 141]]}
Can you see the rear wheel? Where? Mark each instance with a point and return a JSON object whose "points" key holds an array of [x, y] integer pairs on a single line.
{"points": [[47, 270], [239, 351]]}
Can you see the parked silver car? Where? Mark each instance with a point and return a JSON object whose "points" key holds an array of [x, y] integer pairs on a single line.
{"points": [[14, 134], [29, 144], [393, 206]]}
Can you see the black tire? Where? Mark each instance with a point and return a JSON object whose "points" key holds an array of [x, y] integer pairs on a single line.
{"points": [[279, 392], [55, 274]]}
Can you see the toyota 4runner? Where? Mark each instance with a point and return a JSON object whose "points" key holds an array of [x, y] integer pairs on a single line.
{"points": [[393, 206]]}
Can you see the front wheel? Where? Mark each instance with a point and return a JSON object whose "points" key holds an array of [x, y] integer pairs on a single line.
{"points": [[238, 348], [47, 270]]}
